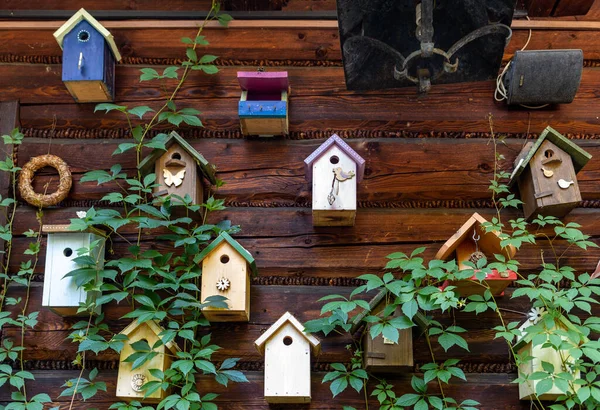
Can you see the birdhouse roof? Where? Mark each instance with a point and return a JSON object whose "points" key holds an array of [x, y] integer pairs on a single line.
{"points": [[596, 273], [206, 168], [561, 321], [155, 328], [262, 81], [225, 237], [287, 318], [66, 228], [488, 242], [319, 152], [580, 157], [81, 15]]}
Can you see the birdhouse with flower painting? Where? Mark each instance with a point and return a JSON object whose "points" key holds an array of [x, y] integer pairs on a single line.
{"points": [[546, 174], [263, 106], [180, 170], [334, 171], [130, 380], [89, 56], [226, 270], [472, 243]]}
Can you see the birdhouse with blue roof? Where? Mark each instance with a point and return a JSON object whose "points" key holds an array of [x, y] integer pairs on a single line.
{"points": [[89, 56], [226, 269], [263, 107], [334, 170]]}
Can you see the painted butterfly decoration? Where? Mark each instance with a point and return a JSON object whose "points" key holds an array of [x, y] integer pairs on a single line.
{"points": [[173, 179]]}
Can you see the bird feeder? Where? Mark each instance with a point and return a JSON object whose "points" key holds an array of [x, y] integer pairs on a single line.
{"points": [[263, 107], [470, 244], [226, 268], [88, 61], [179, 170], [334, 170], [545, 172], [130, 381], [287, 360], [61, 294]]}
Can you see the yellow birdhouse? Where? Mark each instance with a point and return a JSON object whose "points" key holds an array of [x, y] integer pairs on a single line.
{"points": [[130, 381]]}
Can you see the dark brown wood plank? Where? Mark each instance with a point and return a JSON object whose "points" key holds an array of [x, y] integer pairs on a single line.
{"points": [[91, 5], [310, 5], [572, 7], [540, 8]]}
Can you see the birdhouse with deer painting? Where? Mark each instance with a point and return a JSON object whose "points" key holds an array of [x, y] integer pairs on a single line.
{"points": [[62, 294], [263, 107], [470, 244], [287, 350], [226, 270], [89, 56], [143, 337], [334, 170], [546, 173], [179, 170]]}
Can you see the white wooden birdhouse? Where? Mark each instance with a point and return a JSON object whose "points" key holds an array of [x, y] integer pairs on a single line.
{"points": [[334, 170], [226, 269], [129, 380], [545, 172], [179, 170], [88, 61], [471, 243], [61, 295], [263, 107], [287, 360]]}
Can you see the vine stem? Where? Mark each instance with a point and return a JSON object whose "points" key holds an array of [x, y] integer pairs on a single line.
{"points": [[433, 358], [8, 249]]}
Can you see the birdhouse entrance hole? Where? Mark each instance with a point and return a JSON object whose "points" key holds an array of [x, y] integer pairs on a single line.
{"points": [[549, 153], [224, 259], [334, 159], [83, 36], [287, 340], [176, 155], [68, 252]]}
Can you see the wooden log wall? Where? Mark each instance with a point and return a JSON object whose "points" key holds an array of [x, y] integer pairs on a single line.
{"points": [[429, 161]]}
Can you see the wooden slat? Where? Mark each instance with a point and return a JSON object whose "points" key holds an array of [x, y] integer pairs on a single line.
{"points": [[572, 7], [91, 5], [540, 8]]}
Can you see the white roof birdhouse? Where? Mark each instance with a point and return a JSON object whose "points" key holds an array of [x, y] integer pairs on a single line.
{"points": [[287, 360], [334, 170]]}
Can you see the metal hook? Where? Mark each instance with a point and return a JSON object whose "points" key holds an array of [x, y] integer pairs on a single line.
{"points": [[80, 63], [476, 236]]}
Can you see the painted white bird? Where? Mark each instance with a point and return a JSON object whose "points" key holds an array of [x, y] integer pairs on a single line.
{"points": [[565, 184]]}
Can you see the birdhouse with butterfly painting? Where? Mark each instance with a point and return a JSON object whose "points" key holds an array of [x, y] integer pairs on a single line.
{"points": [[471, 243], [263, 106], [89, 56], [334, 171], [546, 174], [180, 170]]}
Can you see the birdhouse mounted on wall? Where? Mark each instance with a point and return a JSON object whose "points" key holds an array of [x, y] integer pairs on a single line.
{"points": [[226, 269], [287, 360], [88, 61], [179, 169], [546, 174], [334, 170], [129, 381], [61, 295], [263, 107], [470, 244]]}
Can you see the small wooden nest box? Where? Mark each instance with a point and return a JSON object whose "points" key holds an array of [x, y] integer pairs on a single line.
{"points": [[524, 347], [89, 55], [130, 382], [287, 360], [546, 174], [470, 243], [334, 170], [179, 169], [226, 268], [61, 295], [263, 107]]}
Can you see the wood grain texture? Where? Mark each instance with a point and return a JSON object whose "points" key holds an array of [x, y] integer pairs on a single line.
{"points": [[572, 7]]}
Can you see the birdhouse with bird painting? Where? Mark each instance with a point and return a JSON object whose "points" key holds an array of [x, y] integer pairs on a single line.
{"points": [[287, 350], [226, 270], [143, 337], [89, 56], [546, 173], [334, 170], [263, 106], [179, 170], [62, 294], [472, 243]]}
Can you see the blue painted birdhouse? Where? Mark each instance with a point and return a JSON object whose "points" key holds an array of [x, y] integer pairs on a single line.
{"points": [[89, 56]]}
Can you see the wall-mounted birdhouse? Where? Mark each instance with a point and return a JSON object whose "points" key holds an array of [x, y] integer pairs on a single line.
{"points": [[470, 244], [88, 61], [334, 170], [130, 381], [226, 269], [179, 170], [546, 174], [61, 295], [287, 360], [263, 107]]}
